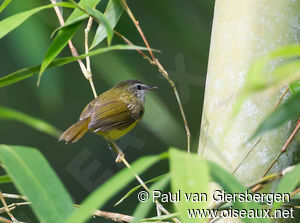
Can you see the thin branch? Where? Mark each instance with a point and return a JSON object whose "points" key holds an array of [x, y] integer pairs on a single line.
{"points": [[259, 139], [6, 208], [74, 51], [88, 62], [122, 159], [14, 196], [284, 148], [14, 205], [4, 220], [162, 71], [116, 217]]}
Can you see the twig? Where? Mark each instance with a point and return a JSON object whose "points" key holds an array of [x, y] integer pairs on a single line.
{"points": [[259, 139], [284, 148], [4, 220], [14, 196], [162, 71], [6, 208], [159, 205], [258, 185], [14, 205], [88, 62], [74, 52], [116, 217]]}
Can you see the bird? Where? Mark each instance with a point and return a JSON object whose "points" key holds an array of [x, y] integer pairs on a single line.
{"points": [[112, 114]]}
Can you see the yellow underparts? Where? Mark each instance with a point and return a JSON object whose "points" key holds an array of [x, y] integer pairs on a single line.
{"points": [[116, 134]]}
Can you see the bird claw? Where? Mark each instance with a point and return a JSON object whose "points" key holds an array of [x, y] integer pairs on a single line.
{"points": [[120, 157]]}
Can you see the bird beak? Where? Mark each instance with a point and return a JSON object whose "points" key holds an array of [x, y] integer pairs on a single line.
{"points": [[152, 87]]}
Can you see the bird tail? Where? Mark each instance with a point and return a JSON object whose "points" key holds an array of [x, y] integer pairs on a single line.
{"points": [[75, 132]]}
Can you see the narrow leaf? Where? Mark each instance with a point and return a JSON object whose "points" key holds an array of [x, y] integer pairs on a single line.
{"points": [[101, 19], [287, 111], [57, 45], [5, 179], [113, 13], [12, 22], [137, 187], [189, 176], [287, 184], [30, 71], [79, 19], [230, 184], [143, 208], [64, 35], [38, 124], [286, 70], [33, 177], [295, 87], [4, 5], [106, 191]]}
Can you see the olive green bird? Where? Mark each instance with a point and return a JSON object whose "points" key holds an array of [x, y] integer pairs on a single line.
{"points": [[112, 114]]}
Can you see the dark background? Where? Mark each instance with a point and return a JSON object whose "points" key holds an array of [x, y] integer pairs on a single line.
{"points": [[181, 29]]}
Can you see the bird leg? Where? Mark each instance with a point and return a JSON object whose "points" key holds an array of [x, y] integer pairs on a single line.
{"points": [[117, 149]]}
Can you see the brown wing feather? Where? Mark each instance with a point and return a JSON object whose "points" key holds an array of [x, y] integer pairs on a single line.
{"points": [[113, 115]]}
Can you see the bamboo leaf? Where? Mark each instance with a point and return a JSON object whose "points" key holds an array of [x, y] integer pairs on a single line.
{"points": [[101, 19], [57, 45], [113, 13], [286, 65], [101, 195], [5, 179], [137, 187], [38, 124], [33, 177], [295, 87], [30, 71], [189, 174], [287, 184], [4, 5], [64, 35], [144, 207], [12, 22], [289, 110], [77, 20], [231, 185]]}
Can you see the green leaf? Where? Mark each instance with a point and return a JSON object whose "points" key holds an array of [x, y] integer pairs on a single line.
{"points": [[160, 218], [12, 22], [144, 207], [57, 45], [67, 24], [64, 35], [230, 184], [287, 111], [287, 184], [287, 70], [34, 178], [137, 187], [4, 5], [38, 124], [113, 13], [106, 191], [295, 87], [30, 71], [5, 179], [189, 174], [101, 19]]}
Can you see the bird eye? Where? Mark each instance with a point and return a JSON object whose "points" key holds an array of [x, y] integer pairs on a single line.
{"points": [[139, 87]]}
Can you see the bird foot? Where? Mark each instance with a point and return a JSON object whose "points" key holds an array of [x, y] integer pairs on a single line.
{"points": [[120, 157]]}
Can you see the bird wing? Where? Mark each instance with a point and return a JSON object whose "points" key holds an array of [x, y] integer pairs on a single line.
{"points": [[114, 114]]}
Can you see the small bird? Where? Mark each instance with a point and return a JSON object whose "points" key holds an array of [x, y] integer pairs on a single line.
{"points": [[112, 114]]}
